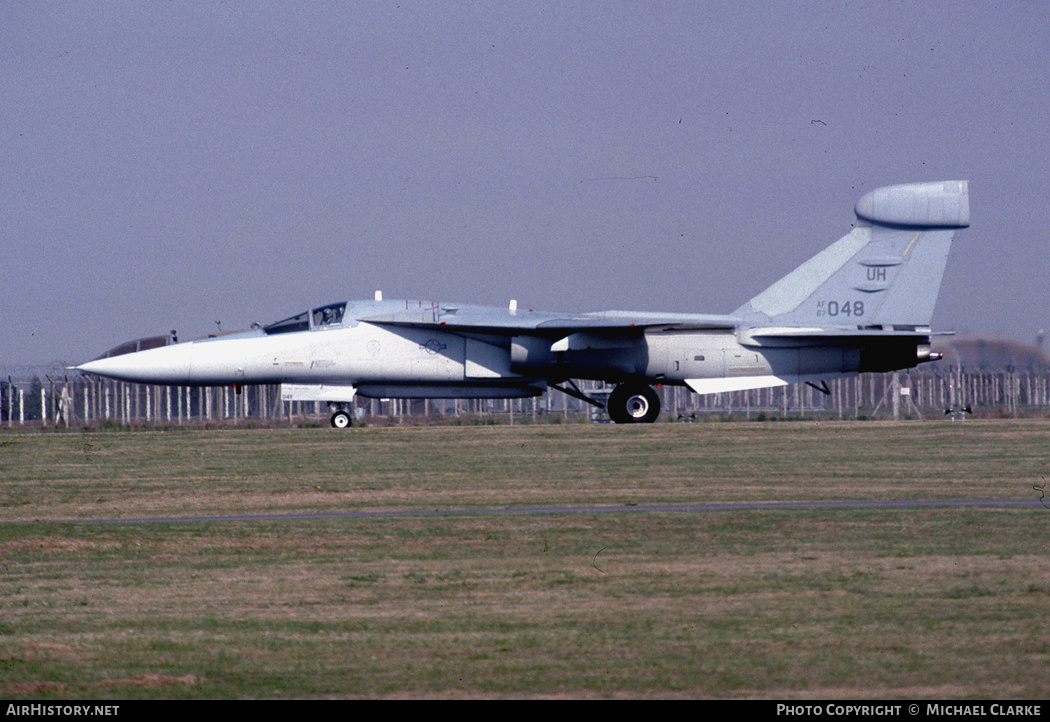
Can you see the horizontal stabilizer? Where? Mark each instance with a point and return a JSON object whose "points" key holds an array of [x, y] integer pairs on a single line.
{"points": [[747, 383], [718, 386], [838, 336]]}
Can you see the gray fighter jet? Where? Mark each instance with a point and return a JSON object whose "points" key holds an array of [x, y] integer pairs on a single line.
{"points": [[862, 304]]}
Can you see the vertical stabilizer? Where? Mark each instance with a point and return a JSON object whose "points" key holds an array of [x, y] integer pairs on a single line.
{"points": [[886, 271]]}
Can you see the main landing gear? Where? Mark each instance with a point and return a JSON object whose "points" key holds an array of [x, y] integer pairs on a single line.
{"points": [[633, 404], [629, 403]]}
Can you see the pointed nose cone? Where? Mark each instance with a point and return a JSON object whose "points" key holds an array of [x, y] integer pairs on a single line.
{"points": [[165, 365]]}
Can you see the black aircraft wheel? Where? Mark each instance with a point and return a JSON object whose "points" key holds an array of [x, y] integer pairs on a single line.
{"points": [[629, 404], [340, 420]]}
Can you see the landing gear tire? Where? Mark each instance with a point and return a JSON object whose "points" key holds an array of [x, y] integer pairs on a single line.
{"points": [[340, 419], [633, 404]]}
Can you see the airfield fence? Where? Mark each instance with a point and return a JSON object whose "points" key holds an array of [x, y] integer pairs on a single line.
{"points": [[53, 397]]}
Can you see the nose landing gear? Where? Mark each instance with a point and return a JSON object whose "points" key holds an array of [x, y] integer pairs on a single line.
{"points": [[341, 417]]}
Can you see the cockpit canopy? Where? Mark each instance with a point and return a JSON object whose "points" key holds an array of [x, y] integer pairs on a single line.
{"points": [[321, 317]]}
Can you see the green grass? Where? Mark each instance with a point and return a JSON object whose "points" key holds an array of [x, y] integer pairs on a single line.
{"points": [[844, 603]]}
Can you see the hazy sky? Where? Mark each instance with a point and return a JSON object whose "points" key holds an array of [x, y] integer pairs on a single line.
{"points": [[170, 165]]}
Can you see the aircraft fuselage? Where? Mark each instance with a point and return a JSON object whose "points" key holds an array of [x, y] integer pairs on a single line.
{"points": [[418, 362]]}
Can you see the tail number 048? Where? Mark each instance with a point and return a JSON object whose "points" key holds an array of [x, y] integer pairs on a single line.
{"points": [[835, 308]]}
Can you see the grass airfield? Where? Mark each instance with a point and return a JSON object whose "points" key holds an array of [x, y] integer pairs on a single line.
{"points": [[903, 602]]}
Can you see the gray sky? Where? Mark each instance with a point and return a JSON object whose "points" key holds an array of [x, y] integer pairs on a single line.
{"points": [[170, 165]]}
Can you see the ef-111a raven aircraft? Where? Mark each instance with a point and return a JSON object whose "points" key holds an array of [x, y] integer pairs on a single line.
{"points": [[862, 304]]}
